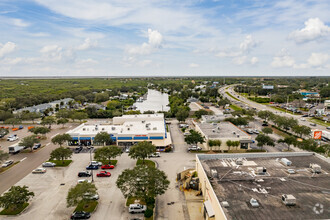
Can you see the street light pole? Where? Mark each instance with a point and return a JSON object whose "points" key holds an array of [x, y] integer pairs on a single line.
{"points": [[90, 155]]}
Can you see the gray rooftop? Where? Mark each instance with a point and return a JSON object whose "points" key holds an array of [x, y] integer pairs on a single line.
{"points": [[238, 184], [221, 130]]}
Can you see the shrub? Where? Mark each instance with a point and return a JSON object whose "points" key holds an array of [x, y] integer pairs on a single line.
{"points": [[150, 201], [148, 213], [168, 149]]}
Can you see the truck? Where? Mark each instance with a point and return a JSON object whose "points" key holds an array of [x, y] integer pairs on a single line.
{"points": [[326, 135], [14, 149]]}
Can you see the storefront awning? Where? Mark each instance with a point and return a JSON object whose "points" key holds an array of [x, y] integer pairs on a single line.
{"points": [[209, 209], [246, 141]]}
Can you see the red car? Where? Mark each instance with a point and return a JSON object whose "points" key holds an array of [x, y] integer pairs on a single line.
{"points": [[107, 166], [103, 174]]}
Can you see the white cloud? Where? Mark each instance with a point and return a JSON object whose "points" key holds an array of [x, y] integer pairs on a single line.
{"points": [[12, 61], [87, 61], [155, 40], [254, 60], [314, 29], [247, 44], [20, 23], [144, 63], [7, 48], [88, 44], [283, 59], [240, 60], [318, 59], [193, 65]]}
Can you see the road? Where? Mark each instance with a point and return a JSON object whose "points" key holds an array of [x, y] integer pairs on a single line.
{"points": [[29, 161], [258, 106]]}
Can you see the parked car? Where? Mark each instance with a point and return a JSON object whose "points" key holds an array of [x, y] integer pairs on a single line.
{"points": [[91, 196], [107, 166], [312, 124], [155, 154], [328, 128], [265, 123], [254, 203], [137, 208], [194, 148], [84, 180], [7, 163], [78, 149], [183, 126], [96, 163], [39, 170], [49, 164], [84, 174], [36, 146], [14, 129], [103, 174], [12, 138], [20, 127], [249, 131], [81, 215], [255, 131], [92, 167]]}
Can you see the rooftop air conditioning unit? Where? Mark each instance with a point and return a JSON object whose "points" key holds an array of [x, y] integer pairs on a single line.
{"points": [[213, 130], [148, 128], [285, 162], [113, 128], [288, 200], [128, 129], [155, 128], [219, 128], [239, 161], [238, 135], [102, 129], [261, 170], [214, 173], [315, 168], [143, 121], [234, 132]]}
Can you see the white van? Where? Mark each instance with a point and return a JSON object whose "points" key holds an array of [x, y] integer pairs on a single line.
{"points": [[136, 208]]}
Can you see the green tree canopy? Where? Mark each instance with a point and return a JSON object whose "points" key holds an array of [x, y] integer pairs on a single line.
{"points": [[142, 150], [40, 130], [61, 153], [3, 132], [288, 140], [79, 116], [194, 137], [60, 139], [64, 113], [48, 120], [182, 113], [265, 115], [29, 141], [62, 121], [267, 130], [264, 140], [301, 130], [142, 182], [4, 115], [16, 197], [3, 155], [107, 153], [201, 112], [103, 137], [77, 193], [13, 121]]}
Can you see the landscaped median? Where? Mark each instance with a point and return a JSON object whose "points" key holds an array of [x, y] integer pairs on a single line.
{"points": [[3, 169], [149, 163], [149, 213], [61, 163], [86, 206], [14, 211]]}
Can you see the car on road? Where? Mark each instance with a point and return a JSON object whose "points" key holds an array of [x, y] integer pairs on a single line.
{"points": [[7, 163], [92, 167], [39, 170], [256, 131], [103, 174], [49, 164], [81, 215], [12, 138], [137, 208], [254, 203], [155, 154], [183, 126], [249, 131], [107, 166], [312, 124], [36, 146], [194, 148], [304, 116], [91, 196], [84, 174], [95, 163], [78, 149], [328, 128], [127, 149], [84, 180], [265, 124]]}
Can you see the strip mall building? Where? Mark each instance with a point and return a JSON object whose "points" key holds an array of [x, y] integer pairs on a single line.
{"points": [[126, 131]]}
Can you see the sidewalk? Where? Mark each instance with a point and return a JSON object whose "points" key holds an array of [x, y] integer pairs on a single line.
{"points": [[194, 204]]}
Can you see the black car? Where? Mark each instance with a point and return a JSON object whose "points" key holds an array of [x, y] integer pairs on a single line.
{"points": [[36, 146], [92, 167], [81, 215], [84, 174], [78, 149]]}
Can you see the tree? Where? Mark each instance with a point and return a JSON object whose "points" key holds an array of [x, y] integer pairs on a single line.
{"points": [[62, 121], [40, 130], [264, 140], [142, 182], [288, 140], [81, 99], [3, 156], [61, 139], [13, 121], [16, 197], [235, 144], [101, 97], [229, 144], [107, 153], [201, 112], [103, 137], [267, 130], [64, 113], [61, 153], [4, 115], [266, 115], [301, 130], [79, 116], [31, 116], [48, 120], [182, 114], [3, 132], [142, 150], [77, 193], [29, 141], [213, 143], [194, 137]]}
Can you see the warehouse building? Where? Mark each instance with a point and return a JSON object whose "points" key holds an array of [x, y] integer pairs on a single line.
{"points": [[264, 186], [127, 130]]}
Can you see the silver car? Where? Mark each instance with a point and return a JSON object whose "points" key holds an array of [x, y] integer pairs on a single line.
{"points": [[49, 164]]}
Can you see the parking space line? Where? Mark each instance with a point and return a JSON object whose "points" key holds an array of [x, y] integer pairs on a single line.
{"points": [[23, 159], [54, 135], [48, 144]]}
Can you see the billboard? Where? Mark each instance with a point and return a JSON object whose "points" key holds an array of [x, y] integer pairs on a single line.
{"points": [[317, 135]]}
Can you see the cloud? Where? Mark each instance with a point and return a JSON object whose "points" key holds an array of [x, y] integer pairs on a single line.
{"points": [[144, 63], [87, 61], [254, 60], [19, 22], [155, 40], [7, 48], [88, 44], [12, 61], [318, 59], [193, 65], [240, 60], [314, 29], [283, 59], [247, 44]]}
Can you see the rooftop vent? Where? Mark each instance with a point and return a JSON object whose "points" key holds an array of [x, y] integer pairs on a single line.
{"points": [[238, 135], [143, 121], [225, 204], [315, 168], [113, 128], [285, 162], [155, 128], [214, 173], [213, 130]]}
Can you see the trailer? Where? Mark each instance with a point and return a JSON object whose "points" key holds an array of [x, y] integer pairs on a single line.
{"points": [[326, 135], [14, 149]]}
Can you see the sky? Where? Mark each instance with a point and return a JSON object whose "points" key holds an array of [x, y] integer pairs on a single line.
{"points": [[164, 38]]}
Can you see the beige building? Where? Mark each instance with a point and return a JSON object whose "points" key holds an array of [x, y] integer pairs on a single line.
{"points": [[223, 131]]}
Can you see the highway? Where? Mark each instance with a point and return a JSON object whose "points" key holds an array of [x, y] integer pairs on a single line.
{"points": [[243, 100]]}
